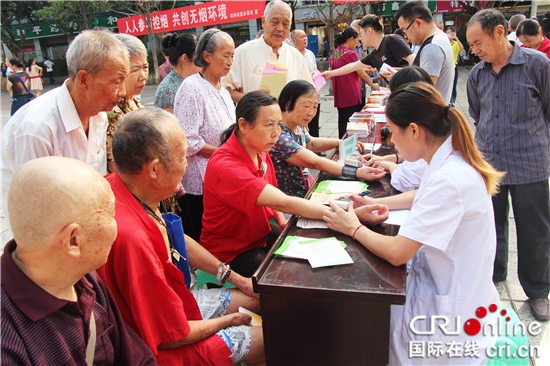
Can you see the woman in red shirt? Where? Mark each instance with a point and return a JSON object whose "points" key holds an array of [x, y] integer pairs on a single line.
{"points": [[240, 189], [530, 33], [347, 88]]}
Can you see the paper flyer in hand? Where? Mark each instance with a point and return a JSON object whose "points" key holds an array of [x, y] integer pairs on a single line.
{"points": [[274, 78], [318, 80]]}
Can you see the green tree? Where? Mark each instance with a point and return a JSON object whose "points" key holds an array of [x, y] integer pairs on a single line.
{"points": [[71, 16], [145, 8], [332, 15], [18, 14]]}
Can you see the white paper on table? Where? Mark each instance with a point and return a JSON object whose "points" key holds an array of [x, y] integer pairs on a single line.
{"points": [[294, 249], [256, 319], [387, 69], [380, 118], [397, 217], [368, 146], [305, 223], [344, 186], [328, 253]]}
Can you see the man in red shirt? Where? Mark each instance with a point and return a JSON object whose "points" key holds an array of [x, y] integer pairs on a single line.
{"points": [[179, 326]]}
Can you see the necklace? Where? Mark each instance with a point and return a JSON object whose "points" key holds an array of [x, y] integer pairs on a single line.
{"points": [[263, 166], [176, 256]]}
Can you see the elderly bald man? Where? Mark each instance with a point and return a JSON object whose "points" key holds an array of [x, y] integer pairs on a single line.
{"points": [[70, 120], [180, 326], [55, 310], [251, 57]]}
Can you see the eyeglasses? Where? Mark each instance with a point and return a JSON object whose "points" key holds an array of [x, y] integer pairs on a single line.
{"points": [[410, 25]]}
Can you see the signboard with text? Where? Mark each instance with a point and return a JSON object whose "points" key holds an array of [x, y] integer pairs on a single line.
{"points": [[42, 30], [210, 13]]}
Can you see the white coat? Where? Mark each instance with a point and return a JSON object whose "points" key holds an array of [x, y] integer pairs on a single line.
{"points": [[451, 274]]}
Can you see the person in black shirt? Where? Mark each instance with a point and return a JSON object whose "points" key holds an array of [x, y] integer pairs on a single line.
{"points": [[390, 49], [20, 95]]}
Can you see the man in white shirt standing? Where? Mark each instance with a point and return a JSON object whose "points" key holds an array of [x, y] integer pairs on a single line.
{"points": [[49, 70], [251, 57], [70, 120], [512, 25], [299, 38]]}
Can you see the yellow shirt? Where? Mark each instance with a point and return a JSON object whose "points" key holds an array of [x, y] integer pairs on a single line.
{"points": [[456, 50]]}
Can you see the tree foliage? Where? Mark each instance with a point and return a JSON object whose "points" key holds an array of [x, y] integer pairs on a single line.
{"points": [[333, 15], [69, 16], [18, 14], [145, 8]]}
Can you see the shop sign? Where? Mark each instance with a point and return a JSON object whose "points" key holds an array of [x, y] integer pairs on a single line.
{"points": [[308, 15], [391, 7], [210, 13], [454, 6], [46, 30]]}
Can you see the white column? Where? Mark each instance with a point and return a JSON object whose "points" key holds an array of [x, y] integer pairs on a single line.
{"points": [[252, 28], [38, 50], [534, 8]]}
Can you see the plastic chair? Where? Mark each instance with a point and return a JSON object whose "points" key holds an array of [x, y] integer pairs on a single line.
{"points": [[515, 341], [203, 278]]}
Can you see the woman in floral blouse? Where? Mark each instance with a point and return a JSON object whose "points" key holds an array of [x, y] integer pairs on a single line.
{"points": [[133, 84], [295, 149], [204, 110], [180, 53]]}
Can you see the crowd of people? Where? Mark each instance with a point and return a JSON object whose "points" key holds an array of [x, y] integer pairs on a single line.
{"points": [[113, 205]]}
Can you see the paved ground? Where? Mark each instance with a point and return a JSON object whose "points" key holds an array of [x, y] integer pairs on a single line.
{"points": [[511, 292]]}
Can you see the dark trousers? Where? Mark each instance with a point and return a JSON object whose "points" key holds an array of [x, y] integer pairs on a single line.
{"points": [[50, 75], [18, 102], [248, 262], [344, 115], [313, 125], [453, 95], [191, 212], [531, 205]]}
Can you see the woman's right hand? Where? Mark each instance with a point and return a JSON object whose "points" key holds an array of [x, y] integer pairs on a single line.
{"points": [[326, 74], [359, 201], [372, 214], [370, 161], [371, 173], [386, 165]]}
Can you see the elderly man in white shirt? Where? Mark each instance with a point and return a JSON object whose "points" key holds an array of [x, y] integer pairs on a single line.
{"points": [[251, 57], [70, 120]]}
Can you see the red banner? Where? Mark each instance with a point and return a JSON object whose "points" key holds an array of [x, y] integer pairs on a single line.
{"points": [[210, 13], [351, 1]]}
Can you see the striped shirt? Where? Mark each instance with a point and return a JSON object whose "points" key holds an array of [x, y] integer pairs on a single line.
{"points": [[511, 111], [40, 329]]}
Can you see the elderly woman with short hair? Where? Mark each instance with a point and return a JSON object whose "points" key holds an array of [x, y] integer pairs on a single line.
{"points": [[204, 110], [133, 84]]}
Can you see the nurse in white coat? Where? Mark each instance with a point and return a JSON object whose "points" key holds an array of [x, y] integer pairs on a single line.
{"points": [[449, 235]]}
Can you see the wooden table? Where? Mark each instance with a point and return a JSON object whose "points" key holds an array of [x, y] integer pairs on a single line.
{"points": [[336, 315]]}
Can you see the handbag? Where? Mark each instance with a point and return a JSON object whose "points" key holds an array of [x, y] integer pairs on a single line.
{"points": [[28, 94], [178, 249]]}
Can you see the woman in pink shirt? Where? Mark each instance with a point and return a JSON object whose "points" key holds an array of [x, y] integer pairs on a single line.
{"points": [[347, 88]]}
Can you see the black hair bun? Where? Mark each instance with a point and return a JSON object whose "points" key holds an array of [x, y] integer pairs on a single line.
{"points": [[172, 40]]}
